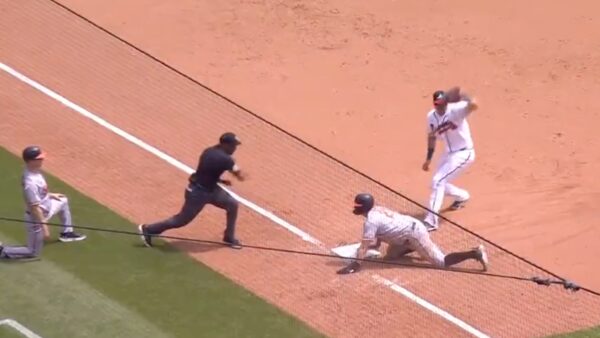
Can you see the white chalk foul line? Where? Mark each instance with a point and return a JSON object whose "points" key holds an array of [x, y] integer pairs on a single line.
{"points": [[397, 288], [17, 326], [181, 166], [153, 150]]}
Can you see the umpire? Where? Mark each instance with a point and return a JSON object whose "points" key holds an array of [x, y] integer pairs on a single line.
{"points": [[203, 189]]}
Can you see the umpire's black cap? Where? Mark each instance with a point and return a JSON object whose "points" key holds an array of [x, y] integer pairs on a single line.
{"points": [[229, 138], [33, 153]]}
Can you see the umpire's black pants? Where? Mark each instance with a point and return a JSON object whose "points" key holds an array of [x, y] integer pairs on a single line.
{"points": [[196, 197]]}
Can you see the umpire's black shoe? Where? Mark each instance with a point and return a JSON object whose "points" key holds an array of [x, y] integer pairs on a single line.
{"points": [[147, 239], [233, 243]]}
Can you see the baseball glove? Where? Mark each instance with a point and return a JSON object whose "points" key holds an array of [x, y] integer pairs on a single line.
{"points": [[453, 94], [351, 268]]}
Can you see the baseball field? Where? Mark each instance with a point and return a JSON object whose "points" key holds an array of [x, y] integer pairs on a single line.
{"points": [[329, 99], [110, 286]]}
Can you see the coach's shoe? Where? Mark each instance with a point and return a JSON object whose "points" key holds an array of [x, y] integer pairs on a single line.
{"points": [[1, 250], [430, 227], [233, 243], [71, 236], [147, 239], [482, 257], [458, 205]]}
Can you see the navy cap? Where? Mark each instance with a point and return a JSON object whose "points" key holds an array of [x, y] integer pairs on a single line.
{"points": [[229, 138], [439, 95], [33, 153]]}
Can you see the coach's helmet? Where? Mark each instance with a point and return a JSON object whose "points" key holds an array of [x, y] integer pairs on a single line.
{"points": [[33, 153], [363, 203]]}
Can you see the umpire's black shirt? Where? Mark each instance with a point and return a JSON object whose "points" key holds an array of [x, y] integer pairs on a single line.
{"points": [[214, 161]]}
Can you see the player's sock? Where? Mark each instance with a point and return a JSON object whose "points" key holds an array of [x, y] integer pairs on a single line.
{"points": [[457, 257]]}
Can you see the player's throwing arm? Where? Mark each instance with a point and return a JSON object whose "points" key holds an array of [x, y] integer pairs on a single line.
{"points": [[448, 121]]}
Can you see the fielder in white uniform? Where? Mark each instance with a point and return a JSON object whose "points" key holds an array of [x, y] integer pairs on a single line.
{"points": [[448, 121], [403, 234], [41, 206]]}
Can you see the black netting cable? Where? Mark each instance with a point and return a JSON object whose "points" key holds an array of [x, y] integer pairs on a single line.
{"points": [[296, 138], [538, 280]]}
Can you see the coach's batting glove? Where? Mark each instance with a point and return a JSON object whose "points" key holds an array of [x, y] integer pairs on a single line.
{"points": [[351, 268]]}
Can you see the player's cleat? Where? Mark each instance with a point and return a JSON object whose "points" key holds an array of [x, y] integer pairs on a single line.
{"points": [[147, 239], [71, 237], [233, 243], [430, 227], [458, 205], [483, 257], [350, 268]]}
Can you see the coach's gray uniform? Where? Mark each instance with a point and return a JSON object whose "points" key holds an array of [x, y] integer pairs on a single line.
{"points": [[35, 192]]}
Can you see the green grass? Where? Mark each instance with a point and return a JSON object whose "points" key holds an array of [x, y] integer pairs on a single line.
{"points": [[8, 332], [110, 286], [591, 333]]}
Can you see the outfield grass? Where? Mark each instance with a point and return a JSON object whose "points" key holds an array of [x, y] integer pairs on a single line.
{"points": [[8, 332], [109, 286], [591, 333]]}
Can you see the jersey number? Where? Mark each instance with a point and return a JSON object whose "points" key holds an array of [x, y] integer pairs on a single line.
{"points": [[444, 127]]}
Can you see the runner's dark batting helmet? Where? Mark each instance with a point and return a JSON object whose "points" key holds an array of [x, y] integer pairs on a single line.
{"points": [[363, 202], [33, 153]]}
